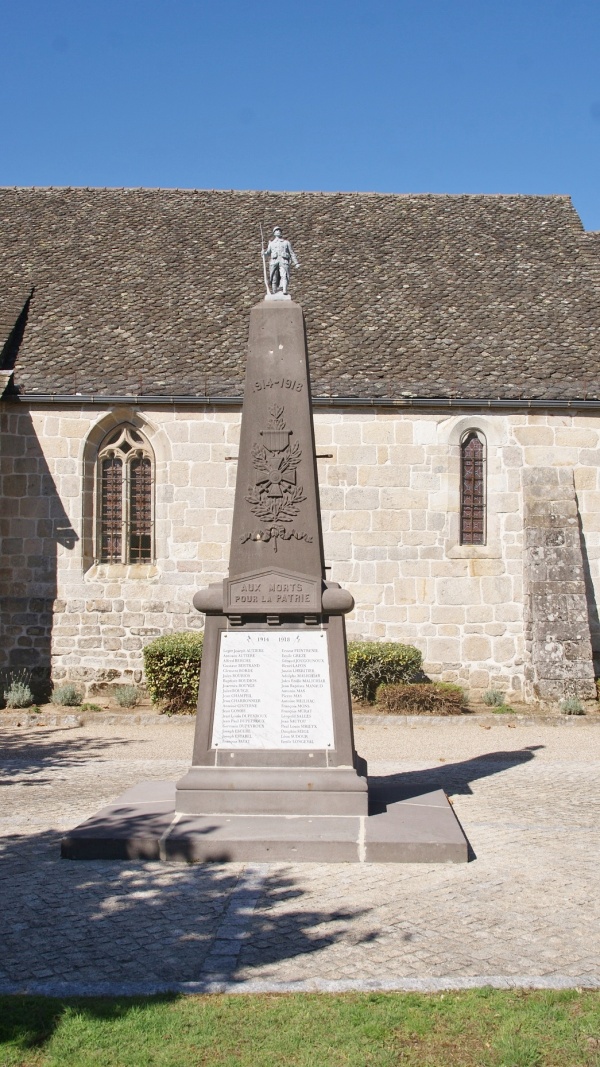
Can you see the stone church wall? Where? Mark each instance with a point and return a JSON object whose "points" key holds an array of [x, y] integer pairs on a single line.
{"points": [[390, 501]]}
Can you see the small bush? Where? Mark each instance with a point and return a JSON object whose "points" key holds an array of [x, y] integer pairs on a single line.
{"points": [[17, 689], [126, 696], [494, 698], [67, 695], [91, 707], [421, 698], [18, 695], [172, 666], [373, 663], [503, 709], [572, 706]]}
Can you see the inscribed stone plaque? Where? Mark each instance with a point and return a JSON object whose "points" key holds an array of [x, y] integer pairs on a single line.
{"points": [[273, 691], [279, 592]]}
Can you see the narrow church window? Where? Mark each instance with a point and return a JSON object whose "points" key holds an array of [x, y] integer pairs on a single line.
{"points": [[472, 489], [125, 498], [111, 521], [140, 510]]}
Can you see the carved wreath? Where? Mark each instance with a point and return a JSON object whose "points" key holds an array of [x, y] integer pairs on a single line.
{"points": [[276, 497]]}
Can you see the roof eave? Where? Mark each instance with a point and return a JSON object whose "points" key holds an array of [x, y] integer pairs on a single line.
{"points": [[478, 403]]}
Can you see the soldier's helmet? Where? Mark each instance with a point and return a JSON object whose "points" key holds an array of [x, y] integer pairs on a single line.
{"points": [[277, 229]]}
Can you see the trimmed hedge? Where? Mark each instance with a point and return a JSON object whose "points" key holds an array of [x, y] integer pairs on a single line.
{"points": [[372, 663], [172, 667], [421, 698]]}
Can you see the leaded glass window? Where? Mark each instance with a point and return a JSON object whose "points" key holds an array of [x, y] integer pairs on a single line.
{"points": [[125, 519], [472, 489]]}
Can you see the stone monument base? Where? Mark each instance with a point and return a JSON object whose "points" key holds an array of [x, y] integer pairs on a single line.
{"points": [[273, 791], [143, 825]]}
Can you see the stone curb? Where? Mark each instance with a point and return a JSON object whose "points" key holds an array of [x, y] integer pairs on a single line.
{"points": [[109, 718], [313, 985], [89, 718], [481, 720]]}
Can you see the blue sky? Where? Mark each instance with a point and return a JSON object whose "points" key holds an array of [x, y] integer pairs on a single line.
{"points": [[409, 96]]}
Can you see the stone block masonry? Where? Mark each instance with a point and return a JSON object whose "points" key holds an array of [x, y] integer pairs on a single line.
{"points": [[390, 502]]}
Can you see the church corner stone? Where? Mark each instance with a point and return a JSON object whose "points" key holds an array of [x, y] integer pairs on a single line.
{"points": [[557, 625]]}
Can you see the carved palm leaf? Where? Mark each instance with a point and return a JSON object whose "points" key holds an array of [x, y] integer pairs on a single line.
{"points": [[259, 457], [291, 458]]}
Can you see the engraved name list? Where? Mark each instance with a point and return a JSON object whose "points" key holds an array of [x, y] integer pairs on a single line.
{"points": [[273, 691]]}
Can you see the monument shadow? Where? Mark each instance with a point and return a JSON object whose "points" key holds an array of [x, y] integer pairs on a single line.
{"points": [[453, 778]]}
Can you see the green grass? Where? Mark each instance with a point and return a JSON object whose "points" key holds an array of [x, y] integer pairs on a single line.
{"points": [[478, 1028]]}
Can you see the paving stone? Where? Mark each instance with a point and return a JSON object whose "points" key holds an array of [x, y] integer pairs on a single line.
{"points": [[524, 911]]}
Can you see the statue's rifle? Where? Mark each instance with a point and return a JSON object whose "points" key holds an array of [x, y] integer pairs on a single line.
{"points": [[262, 245]]}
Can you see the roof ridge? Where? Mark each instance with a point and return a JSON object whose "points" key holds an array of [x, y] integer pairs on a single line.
{"points": [[284, 192]]}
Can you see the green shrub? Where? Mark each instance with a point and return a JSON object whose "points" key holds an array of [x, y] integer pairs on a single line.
{"points": [[373, 663], [91, 707], [18, 695], [572, 706], [494, 698], [172, 666], [17, 690], [420, 698], [126, 696], [67, 695]]}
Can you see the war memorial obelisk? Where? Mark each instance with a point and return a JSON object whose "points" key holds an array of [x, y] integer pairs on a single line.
{"points": [[274, 725], [275, 774]]}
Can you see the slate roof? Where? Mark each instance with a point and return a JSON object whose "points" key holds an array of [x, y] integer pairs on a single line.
{"points": [[147, 291]]}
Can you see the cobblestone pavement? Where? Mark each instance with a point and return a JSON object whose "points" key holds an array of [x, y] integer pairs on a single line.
{"points": [[524, 911]]}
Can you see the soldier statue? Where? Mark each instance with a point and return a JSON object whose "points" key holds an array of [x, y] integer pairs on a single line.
{"points": [[281, 253]]}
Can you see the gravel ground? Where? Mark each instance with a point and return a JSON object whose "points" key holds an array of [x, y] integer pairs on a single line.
{"points": [[377, 738]]}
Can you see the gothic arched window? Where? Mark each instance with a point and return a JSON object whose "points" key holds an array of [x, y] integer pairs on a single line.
{"points": [[124, 498], [472, 489]]}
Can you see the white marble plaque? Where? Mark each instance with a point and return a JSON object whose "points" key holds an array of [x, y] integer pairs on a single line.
{"points": [[273, 690]]}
